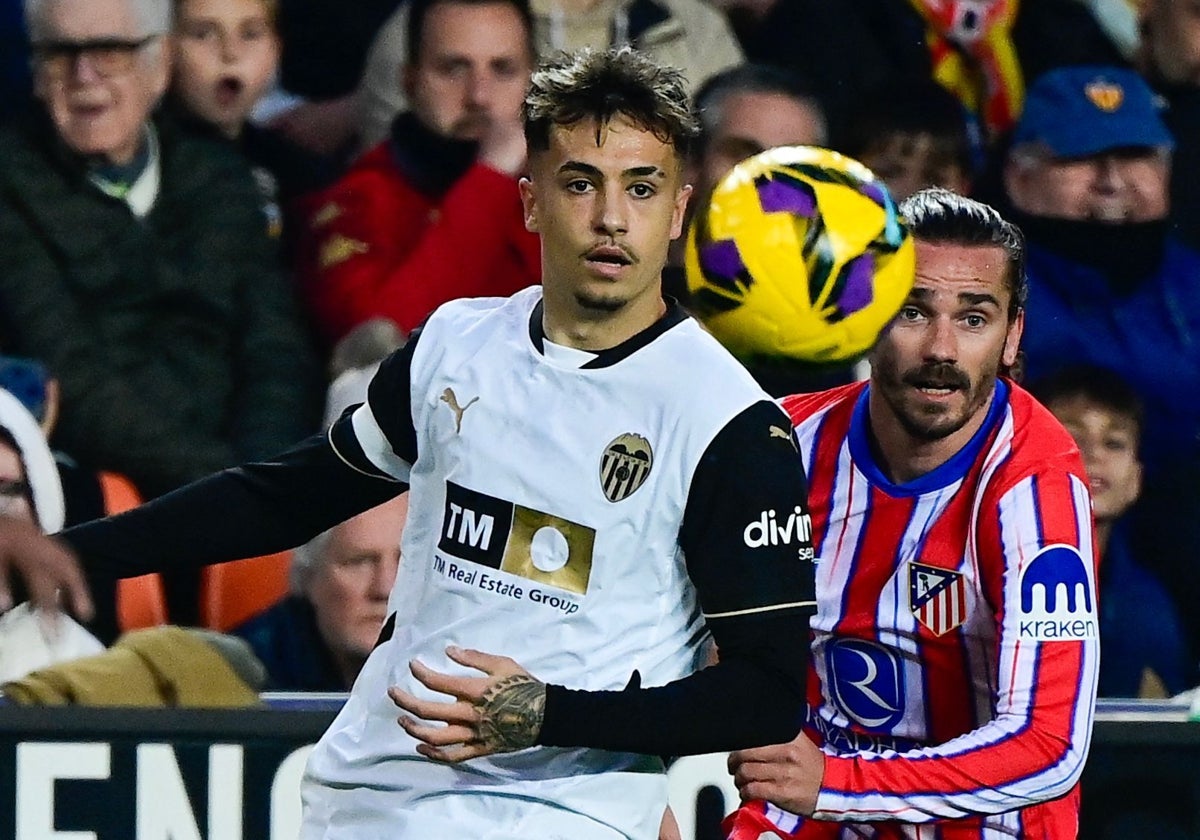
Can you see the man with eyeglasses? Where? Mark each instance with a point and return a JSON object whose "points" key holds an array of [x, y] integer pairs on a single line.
{"points": [[136, 265]]}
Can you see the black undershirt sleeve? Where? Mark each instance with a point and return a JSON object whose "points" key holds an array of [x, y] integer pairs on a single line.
{"points": [[259, 508], [747, 539]]}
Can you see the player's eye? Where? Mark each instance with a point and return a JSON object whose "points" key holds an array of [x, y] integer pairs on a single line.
{"points": [[579, 185], [975, 321], [909, 313], [641, 190]]}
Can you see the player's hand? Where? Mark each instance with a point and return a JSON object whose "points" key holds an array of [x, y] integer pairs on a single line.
{"points": [[787, 775], [499, 712], [50, 572]]}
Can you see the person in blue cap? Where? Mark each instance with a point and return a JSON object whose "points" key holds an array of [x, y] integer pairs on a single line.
{"points": [[1088, 178]]}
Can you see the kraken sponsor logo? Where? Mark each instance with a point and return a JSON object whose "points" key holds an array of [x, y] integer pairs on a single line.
{"points": [[1057, 601], [625, 466]]}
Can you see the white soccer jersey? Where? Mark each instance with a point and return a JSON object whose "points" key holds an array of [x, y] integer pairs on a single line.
{"points": [[546, 524]]}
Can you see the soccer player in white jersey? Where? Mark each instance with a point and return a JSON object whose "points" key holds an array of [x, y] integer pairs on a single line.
{"points": [[596, 486]]}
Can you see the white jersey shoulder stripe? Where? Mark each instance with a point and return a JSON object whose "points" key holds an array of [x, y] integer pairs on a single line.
{"points": [[375, 445]]}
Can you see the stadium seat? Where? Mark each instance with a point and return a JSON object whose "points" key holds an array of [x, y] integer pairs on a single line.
{"points": [[140, 601], [230, 593]]}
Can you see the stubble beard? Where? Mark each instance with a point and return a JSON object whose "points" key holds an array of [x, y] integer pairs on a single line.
{"points": [[934, 423]]}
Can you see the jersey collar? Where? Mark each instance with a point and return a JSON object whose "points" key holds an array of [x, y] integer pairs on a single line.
{"points": [[675, 314], [955, 469]]}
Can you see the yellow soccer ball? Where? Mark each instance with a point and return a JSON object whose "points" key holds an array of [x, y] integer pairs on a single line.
{"points": [[799, 254]]}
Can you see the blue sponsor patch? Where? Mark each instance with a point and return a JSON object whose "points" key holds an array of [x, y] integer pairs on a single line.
{"points": [[867, 682], [1058, 598]]}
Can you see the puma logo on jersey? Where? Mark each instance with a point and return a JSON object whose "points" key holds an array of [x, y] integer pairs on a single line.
{"points": [[451, 400], [777, 432]]}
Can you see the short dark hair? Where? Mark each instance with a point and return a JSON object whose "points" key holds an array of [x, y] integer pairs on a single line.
{"points": [[940, 216], [603, 84], [910, 108], [1100, 385], [418, 10], [749, 78]]}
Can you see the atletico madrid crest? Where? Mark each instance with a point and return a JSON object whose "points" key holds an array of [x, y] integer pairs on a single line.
{"points": [[938, 597], [625, 466]]}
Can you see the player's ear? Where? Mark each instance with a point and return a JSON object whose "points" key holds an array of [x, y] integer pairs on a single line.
{"points": [[1012, 341], [528, 204], [680, 211]]}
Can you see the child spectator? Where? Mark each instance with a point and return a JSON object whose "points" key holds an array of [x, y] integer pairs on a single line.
{"points": [[1140, 634], [913, 135], [226, 58]]}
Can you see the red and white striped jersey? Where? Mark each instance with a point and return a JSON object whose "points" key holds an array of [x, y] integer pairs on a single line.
{"points": [[955, 650]]}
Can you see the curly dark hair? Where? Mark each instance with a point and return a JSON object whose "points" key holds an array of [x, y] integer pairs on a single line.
{"points": [[600, 85]]}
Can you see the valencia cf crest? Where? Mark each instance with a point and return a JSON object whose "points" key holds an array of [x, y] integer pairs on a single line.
{"points": [[625, 466], [938, 597]]}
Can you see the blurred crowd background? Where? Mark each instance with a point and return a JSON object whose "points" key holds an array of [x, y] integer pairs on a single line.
{"points": [[218, 216]]}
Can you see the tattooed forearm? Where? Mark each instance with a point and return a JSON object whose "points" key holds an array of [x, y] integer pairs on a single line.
{"points": [[511, 713]]}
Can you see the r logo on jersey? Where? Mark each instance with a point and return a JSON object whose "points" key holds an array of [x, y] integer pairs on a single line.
{"points": [[866, 683], [625, 466], [1057, 597], [938, 597]]}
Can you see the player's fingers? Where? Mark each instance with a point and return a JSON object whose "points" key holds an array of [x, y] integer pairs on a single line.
{"points": [[470, 688], [768, 753], [453, 755], [438, 736], [456, 712], [480, 661], [59, 585], [766, 791]]}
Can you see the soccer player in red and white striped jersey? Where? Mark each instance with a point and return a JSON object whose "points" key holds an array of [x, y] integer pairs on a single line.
{"points": [[954, 660]]}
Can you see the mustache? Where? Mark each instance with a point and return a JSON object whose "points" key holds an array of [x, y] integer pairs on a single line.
{"points": [[937, 375]]}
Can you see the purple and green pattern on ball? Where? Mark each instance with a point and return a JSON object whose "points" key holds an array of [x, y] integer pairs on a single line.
{"points": [[781, 194], [721, 261], [858, 285]]}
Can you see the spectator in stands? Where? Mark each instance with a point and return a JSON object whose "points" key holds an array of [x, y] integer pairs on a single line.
{"points": [[1104, 415], [913, 135], [1170, 59], [318, 638], [1087, 177], [30, 491], [135, 263], [137, 268], [690, 35], [433, 213], [226, 55], [743, 111]]}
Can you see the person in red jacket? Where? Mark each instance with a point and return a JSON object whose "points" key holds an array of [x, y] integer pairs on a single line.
{"points": [[432, 213]]}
